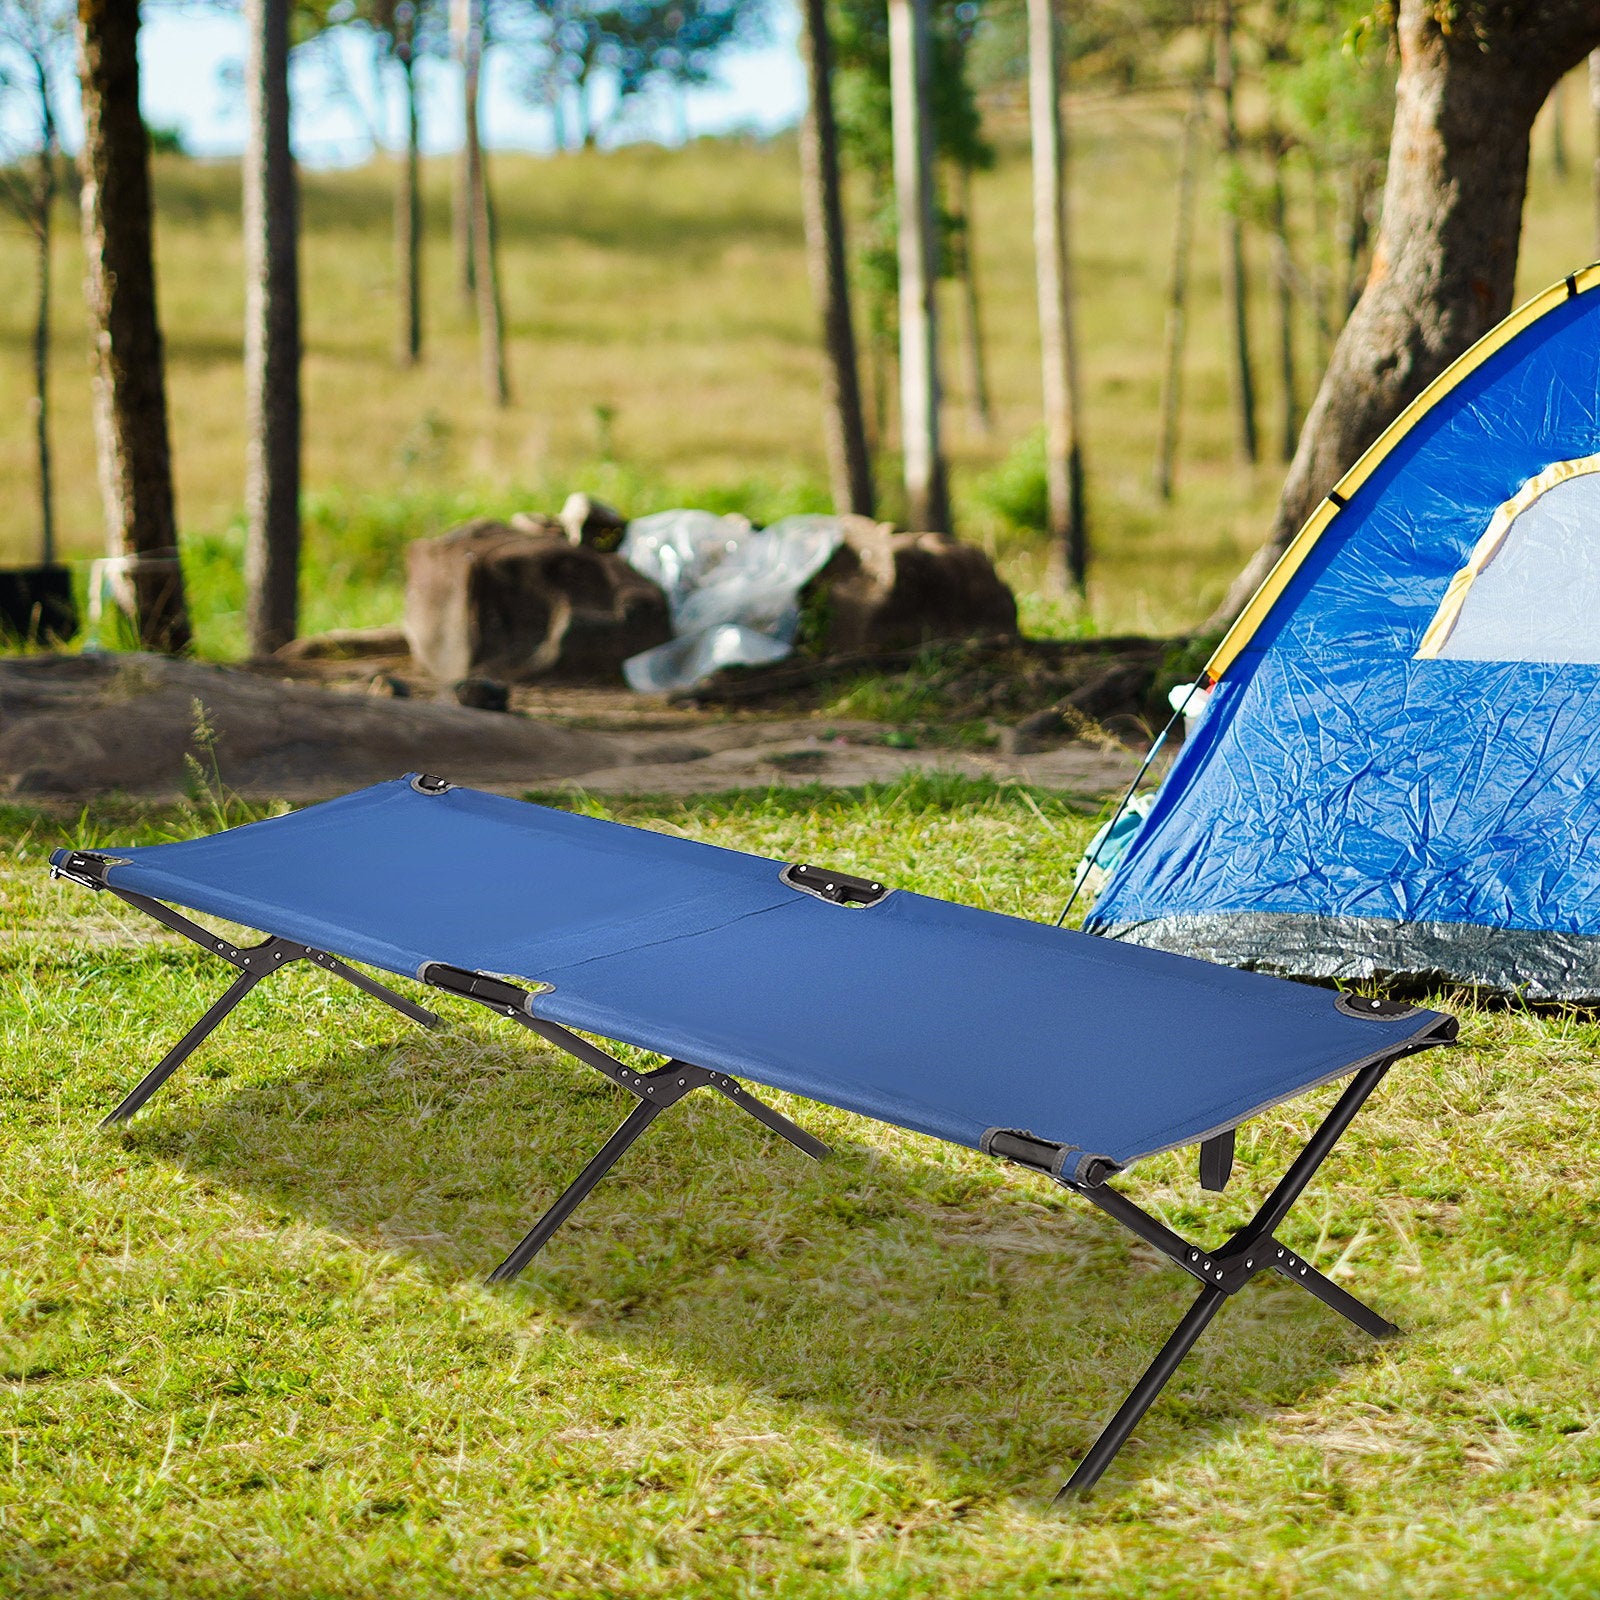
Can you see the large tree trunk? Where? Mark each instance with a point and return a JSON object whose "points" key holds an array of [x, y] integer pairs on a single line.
{"points": [[44, 197], [910, 80], [408, 214], [1235, 271], [844, 427], [1444, 268], [130, 395], [1069, 544], [271, 336]]}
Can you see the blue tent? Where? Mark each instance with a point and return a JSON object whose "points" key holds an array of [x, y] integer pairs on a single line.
{"points": [[1398, 770]]}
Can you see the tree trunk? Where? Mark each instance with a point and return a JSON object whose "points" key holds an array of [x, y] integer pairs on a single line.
{"points": [[1594, 106], [1178, 301], [271, 336], [1354, 236], [972, 321], [408, 216], [1283, 282], [468, 25], [44, 204], [1069, 544], [844, 427], [1235, 272], [1444, 268], [464, 201], [910, 79], [130, 395], [486, 277]]}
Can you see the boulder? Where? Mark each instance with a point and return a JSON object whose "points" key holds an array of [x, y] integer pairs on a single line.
{"points": [[884, 590], [491, 601]]}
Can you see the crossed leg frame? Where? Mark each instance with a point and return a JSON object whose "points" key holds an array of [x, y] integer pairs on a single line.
{"points": [[1221, 1273], [654, 1091]]}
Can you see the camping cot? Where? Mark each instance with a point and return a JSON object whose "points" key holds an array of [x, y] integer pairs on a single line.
{"points": [[1062, 1053]]}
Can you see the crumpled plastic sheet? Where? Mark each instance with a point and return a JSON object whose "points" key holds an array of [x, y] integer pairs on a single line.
{"points": [[733, 591]]}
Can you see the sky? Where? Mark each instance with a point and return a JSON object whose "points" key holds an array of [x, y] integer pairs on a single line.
{"points": [[186, 55]]}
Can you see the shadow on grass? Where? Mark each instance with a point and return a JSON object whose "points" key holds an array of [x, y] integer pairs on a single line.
{"points": [[912, 1295]]}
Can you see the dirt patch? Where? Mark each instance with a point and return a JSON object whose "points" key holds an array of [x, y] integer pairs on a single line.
{"points": [[75, 728]]}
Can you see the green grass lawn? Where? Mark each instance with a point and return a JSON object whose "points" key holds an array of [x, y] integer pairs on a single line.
{"points": [[246, 1348]]}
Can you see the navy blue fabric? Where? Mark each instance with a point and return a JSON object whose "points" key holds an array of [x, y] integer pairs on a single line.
{"points": [[933, 1016], [1335, 776]]}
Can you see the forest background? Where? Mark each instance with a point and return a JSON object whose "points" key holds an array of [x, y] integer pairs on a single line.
{"points": [[662, 337]]}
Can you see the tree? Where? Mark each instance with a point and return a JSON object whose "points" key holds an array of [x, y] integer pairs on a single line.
{"points": [[1472, 78], [849, 463], [634, 46], [1235, 271], [33, 35], [409, 29], [860, 33], [468, 30], [910, 76], [1053, 266], [130, 395], [1171, 406], [271, 337]]}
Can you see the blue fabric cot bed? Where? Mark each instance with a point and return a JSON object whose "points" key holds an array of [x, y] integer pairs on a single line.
{"points": [[1064, 1053]]}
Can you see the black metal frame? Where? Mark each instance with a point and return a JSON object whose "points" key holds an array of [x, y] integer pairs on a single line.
{"points": [[1221, 1273]]}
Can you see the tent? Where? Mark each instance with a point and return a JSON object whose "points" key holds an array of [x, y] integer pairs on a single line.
{"points": [[1397, 774]]}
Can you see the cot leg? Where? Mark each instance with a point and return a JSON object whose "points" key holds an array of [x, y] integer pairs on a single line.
{"points": [[604, 1159], [773, 1120], [1330, 1293], [169, 1063], [1115, 1433], [371, 986]]}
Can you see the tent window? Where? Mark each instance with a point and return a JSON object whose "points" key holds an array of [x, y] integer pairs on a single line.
{"points": [[1531, 591]]}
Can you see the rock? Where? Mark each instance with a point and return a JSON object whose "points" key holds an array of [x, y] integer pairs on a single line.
{"points": [[536, 524], [487, 600], [388, 687], [593, 523], [345, 644], [482, 694], [884, 590], [79, 727]]}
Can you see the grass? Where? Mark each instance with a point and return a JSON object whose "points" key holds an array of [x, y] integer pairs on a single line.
{"points": [[245, 1347], [664, 351]]}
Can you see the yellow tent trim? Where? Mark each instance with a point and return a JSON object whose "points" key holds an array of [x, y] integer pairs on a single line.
{"points": [[1488, 546], [1276, 581]]}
